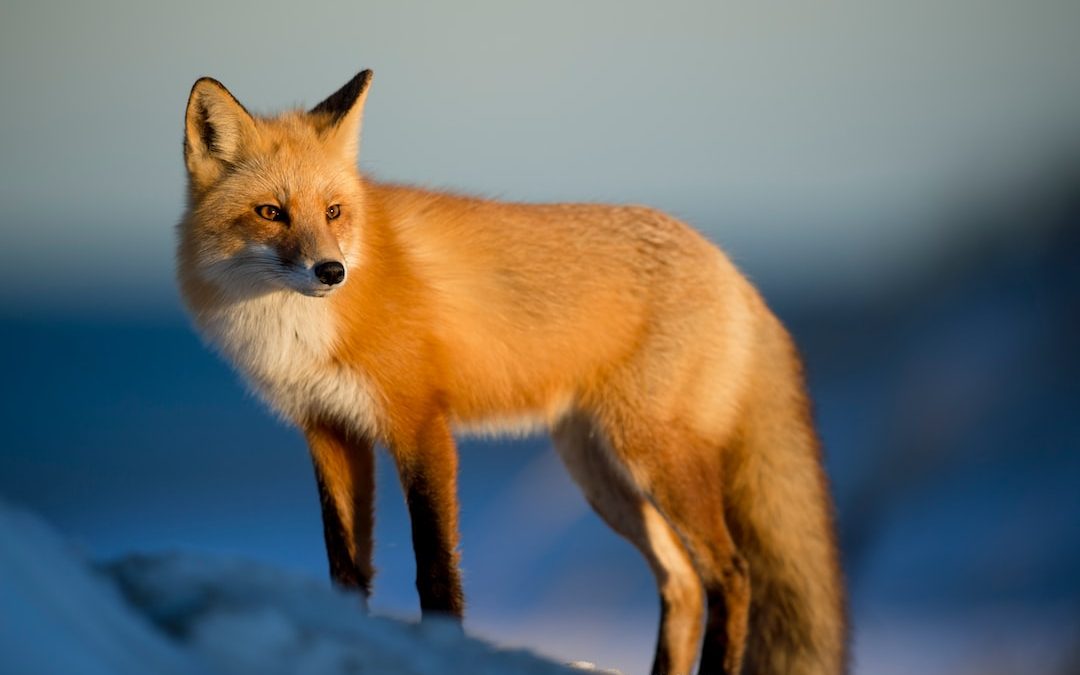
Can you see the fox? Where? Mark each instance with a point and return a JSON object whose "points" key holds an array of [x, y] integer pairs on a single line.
{"points": [[373, 314]]}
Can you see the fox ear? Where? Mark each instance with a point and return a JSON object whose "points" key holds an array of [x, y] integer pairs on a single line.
{"points": [[215, 129], [339, 116]]}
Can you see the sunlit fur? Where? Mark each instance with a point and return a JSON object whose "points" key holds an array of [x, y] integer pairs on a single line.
{"points": [[675, 397]]}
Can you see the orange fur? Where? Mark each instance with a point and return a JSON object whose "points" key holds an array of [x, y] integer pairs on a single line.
{"points": [[674, 395]]}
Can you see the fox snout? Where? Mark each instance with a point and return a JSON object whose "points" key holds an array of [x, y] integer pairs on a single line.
{"points": [[320, 278], [263, 267], [321, 261], [314, 258], [330, 272]]}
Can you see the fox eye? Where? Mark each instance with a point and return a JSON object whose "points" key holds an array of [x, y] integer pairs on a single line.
{"points": [[333, 211], [269, 212]]}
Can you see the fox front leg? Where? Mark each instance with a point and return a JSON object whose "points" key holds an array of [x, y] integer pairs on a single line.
{"points": [[344, 472], [427, 467]]}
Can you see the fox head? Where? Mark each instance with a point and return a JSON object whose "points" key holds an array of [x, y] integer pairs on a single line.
{"points": [[274, 203]]}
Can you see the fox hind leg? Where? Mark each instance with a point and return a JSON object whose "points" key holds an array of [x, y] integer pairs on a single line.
{"points": [[626, 511], [680, 473]]}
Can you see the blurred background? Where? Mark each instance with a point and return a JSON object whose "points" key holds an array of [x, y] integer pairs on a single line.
{"points": [[902, 181]]}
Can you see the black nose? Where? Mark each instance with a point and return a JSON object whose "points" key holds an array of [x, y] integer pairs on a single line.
{"points": [[330, 272]]}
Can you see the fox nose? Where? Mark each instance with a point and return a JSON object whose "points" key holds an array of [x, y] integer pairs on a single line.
{"points": [[330, 272]]}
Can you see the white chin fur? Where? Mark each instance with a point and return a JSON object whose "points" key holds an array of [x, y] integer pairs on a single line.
{"points": [[320, 292], [283, 343]]}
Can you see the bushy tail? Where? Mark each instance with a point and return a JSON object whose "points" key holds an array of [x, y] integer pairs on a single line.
{"points": [[797, 622], [781, 517]]}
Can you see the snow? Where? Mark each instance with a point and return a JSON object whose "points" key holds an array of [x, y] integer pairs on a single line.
{"points": [[184, 613], [57, 615]]}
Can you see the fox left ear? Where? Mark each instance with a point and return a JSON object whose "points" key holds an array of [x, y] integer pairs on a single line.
{"points": [[341, 113]]}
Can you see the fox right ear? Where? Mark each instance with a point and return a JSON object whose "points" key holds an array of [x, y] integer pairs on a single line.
{"points": [[339, 116], [215, 129]]}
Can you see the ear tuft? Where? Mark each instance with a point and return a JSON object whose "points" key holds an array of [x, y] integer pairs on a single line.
{"points": [[338, 104], [338, 118]]}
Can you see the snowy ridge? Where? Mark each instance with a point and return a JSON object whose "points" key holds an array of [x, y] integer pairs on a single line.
{"points": [[187, 614]]}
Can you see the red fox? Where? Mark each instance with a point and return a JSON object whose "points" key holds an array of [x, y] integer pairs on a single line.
{"points": [[369, 313]]}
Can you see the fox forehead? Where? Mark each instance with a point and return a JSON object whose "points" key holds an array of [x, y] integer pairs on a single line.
{"points": [[289, 179], [289, 158]]}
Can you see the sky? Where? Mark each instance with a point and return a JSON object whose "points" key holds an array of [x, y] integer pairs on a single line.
{"points": [[821, 145]]}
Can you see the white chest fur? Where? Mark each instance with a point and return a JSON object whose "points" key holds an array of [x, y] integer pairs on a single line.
{"points": [[283, 345]]}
